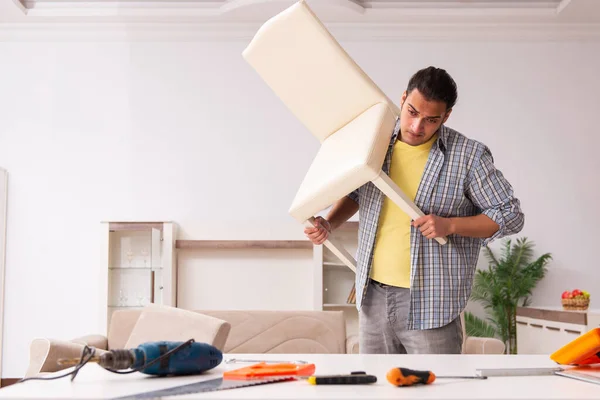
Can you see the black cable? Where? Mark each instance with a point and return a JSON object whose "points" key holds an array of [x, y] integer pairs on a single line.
{"points": [[85, 358], [88, 353]]}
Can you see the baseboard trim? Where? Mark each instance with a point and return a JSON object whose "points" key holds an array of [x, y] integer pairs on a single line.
{"points": [[8, 381]]}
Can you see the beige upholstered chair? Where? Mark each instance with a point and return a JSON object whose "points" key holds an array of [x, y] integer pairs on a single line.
{"points": [[338, 103]]}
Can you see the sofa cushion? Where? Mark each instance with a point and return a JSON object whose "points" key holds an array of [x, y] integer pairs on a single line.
{"points": [[157, 323], [121, 324], [299, 332]]}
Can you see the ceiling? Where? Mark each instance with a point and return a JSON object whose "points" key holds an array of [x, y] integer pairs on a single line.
{"points": [[350, 19], [370, 11]]}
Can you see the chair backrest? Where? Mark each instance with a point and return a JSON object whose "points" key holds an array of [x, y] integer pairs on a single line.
{"points": [[299, 59]]}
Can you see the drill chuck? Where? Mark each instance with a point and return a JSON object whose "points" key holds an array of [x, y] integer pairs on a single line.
{"points": [[117, 359]]}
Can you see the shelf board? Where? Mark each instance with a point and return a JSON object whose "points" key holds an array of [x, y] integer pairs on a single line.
{"points": [[134, 226], [334, 264], [134, 268], [243, 244], [341, 305]]}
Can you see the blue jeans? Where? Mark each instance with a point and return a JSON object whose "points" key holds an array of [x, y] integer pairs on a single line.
{"points": [[382, 326]]}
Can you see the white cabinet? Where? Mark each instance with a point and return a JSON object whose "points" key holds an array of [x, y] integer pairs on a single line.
{"points": [[543, 330], [334, 281], [139, 266]]}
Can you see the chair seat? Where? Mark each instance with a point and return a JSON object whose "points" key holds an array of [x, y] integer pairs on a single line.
{"points": [[346, 160]]}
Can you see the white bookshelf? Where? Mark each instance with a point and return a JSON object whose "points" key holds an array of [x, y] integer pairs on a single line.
{"points": [[333, 279], [138, 266]]}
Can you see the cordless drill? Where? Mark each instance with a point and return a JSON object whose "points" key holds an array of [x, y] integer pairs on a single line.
{"points": [[190, 358]]}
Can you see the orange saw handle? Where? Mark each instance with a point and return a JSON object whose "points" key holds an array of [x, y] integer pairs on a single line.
{"points": [[263, 370]]}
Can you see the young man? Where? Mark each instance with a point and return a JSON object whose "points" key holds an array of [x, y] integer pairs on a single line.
{"points": [[410, 290]]}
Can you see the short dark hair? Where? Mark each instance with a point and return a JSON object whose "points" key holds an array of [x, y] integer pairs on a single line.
{"points": [[435, 84]]}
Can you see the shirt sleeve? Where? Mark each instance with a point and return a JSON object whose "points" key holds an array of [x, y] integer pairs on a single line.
{"points": [[493, 195], [354, 195]]}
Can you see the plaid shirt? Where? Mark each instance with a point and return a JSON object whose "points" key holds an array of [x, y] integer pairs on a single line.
{"points": [[459, 180]]}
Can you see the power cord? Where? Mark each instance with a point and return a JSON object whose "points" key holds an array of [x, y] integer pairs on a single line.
{"points": [[88, 353]]}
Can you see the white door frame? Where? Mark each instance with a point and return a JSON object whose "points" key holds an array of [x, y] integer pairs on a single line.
{"points": [[3, 213]]}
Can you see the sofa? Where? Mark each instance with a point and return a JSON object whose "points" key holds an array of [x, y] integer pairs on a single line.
{"points": [[232, 331]]}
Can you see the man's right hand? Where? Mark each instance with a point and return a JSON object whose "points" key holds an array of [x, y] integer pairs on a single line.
{"points": [[320, 232]]}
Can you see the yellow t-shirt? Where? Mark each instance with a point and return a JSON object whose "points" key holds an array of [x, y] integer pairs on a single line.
{"points": [[391, 258]]}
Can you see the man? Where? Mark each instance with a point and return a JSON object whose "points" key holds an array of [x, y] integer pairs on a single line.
{"points": [[410, 290]]}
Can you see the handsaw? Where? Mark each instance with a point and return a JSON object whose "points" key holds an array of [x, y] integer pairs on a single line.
{"points": [[257, 374]]}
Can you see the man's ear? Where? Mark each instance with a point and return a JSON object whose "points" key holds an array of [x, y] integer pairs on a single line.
{"points": [[447, 115], [403, 98]]}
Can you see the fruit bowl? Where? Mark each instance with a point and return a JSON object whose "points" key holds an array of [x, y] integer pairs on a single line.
{"points": [[576, 300]]}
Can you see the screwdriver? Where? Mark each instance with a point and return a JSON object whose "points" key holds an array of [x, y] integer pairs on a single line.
{"points": [[408, 377]]}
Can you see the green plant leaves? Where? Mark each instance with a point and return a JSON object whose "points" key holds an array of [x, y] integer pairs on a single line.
{"points": [[508, 283], [475, 326]]}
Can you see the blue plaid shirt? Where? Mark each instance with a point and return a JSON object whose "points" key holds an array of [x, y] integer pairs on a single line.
{"points": [[459, 180]]}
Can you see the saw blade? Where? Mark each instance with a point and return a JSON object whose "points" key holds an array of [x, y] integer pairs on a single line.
{"points": [[204, 386]]}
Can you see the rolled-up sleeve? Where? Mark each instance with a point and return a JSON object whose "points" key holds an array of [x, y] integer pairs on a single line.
{"points": [[354, 195], [489, 191]]}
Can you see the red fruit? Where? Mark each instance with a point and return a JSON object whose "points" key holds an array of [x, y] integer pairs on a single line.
{"points": [[566, 295], [576, 293]]}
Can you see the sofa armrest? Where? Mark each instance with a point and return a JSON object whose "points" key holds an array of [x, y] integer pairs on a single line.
{"points": [[97, 341], [352, 344], [482, 345], [45, 353]]}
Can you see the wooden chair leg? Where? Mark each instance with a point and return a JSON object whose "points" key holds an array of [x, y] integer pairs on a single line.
{"points": [[336, 248], [384, 183]]}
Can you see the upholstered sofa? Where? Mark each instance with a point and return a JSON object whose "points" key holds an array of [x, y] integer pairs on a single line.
{"points": [[236, 331], [251, 332]]}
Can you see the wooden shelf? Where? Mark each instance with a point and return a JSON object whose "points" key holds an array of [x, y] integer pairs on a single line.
{"points": [[343, 305], [134, 226], [334, 264], [243, 244]]}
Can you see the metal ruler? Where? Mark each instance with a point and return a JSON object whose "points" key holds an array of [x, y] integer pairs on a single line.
{"points": [[518, 371], [204, 386]]}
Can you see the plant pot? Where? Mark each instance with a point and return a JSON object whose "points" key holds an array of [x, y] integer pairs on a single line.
{"points": [[575, 304]]}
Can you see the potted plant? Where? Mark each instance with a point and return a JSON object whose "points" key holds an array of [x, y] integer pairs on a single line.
{"points": [[478, 327], [507, 284]]}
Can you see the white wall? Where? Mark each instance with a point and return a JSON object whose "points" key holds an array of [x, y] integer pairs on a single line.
{"points": [[188, 132]]}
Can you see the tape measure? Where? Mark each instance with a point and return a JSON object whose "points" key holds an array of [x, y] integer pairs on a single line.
{"points": [[204, 386]]}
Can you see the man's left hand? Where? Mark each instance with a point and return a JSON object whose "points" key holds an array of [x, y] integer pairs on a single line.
{"points": [[432, 226]]}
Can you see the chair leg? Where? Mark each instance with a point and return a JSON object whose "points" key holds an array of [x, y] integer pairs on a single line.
{"points": [[384, 183], [336, 248]]}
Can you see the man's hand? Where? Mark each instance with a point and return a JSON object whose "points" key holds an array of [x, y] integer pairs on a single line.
{"points": [[432, 226], [320, 232]]}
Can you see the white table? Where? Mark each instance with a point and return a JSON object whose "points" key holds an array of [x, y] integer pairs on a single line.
{"points": [[95, 382]]}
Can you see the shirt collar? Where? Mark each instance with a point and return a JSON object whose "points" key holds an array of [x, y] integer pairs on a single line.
{"points": [[442, 141]]}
